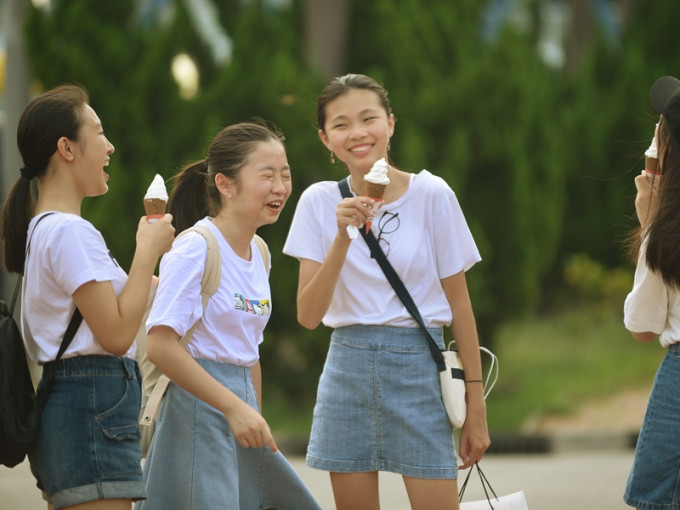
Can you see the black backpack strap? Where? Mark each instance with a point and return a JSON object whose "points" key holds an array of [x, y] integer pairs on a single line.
{"points": [[396, 282]]}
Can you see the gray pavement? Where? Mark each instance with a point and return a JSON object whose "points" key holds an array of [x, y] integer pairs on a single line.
{"points": [[574, 478]]}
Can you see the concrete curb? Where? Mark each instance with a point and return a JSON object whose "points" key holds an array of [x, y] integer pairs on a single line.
{"points": [[513, 443]]}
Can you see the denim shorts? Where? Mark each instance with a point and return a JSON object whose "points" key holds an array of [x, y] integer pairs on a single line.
{"points": [[379, 406], [654, 481], [88, 446], [195, 462]]}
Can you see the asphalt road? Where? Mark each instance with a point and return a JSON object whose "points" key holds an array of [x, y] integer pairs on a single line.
{"points": [[591, 479]]}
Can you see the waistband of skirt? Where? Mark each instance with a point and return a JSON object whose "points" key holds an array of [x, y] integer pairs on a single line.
{"points": [[96, 364], [674, 347], [373, 336]]}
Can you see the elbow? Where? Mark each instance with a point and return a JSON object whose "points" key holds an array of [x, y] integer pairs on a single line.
{"points": [[306, 323], [644, 337]]}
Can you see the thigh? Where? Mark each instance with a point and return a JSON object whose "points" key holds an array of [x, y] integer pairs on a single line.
{"points": [[356, 491], [431, 494]]}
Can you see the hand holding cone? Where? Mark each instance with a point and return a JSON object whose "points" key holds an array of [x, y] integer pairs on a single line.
{"points": [[376, 183]]}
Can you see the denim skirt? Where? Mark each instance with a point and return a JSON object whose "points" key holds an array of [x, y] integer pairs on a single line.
{"points": [[88, 446], [654, 481], [194, 462], [379, 406]]}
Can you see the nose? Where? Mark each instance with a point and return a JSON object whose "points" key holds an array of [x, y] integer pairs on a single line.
{"points": [[110, 149], [358, 132]]}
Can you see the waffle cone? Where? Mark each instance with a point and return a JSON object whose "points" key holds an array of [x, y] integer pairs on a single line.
{"points": [[154, 207], [650, 164], [374, 190]]}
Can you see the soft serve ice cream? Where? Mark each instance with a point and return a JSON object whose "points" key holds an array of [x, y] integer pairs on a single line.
{"points": [[155, 199]]}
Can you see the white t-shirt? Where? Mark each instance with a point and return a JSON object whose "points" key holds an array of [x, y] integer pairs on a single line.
{"points": [[652, 305], [428, 240], [231, 326], [66, 252]]}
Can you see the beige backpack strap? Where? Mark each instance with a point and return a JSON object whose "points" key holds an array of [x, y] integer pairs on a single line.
{"points": [[264, 251], [209, 284]]}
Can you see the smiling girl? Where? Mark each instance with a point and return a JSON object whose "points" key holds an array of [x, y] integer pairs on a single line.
{"points": [[212, 448], [87, 453], [379, 404]]}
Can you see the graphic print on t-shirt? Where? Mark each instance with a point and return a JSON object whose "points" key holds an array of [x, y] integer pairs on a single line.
{"points": [[256, 307]]}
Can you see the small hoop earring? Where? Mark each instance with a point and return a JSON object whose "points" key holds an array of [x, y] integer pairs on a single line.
{"points": [[332, 158]]}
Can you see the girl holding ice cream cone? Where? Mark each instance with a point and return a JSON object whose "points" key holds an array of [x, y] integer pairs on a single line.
{"points": [[87, 453], [379, 404], [212, 448], [652, 308]]}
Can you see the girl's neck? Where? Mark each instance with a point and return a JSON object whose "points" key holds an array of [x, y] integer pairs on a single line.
{"points": [[236, 234]]}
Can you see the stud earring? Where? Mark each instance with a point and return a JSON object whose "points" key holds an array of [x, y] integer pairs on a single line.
{"points": [[332, 158], [228, 194]]}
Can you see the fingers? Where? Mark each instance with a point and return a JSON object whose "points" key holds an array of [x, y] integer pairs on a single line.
{"points": [[259, 439], [354, 211]]}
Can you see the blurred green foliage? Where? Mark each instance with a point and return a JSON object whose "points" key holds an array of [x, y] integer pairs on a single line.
{"points": [[541, 160]]}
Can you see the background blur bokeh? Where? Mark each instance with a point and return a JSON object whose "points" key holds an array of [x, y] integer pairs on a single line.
{"points": [[534, 111]]}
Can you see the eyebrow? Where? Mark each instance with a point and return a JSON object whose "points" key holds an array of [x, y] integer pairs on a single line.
{"points": [[362, 112]]}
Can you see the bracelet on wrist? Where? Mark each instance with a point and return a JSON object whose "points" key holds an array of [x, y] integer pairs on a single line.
{"points": [[474, 380]]}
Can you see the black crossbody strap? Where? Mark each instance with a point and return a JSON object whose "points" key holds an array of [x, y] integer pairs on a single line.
{"points": [[396, 282], [76, 318]]}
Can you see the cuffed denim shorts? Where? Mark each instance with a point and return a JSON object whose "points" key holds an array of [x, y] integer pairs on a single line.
{"points": [[194, 462], [88, 446], [379, 406], [654, 481]]}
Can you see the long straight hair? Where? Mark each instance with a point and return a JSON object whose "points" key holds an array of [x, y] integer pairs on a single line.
{"points": [[663, 233], [55, 114]]}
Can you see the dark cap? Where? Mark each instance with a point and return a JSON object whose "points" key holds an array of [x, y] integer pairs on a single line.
{"points": [[664, 92]]}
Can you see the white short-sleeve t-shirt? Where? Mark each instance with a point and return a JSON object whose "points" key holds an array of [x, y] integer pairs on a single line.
{"points": [[66, 252], [652, 306], [231, 326], [424, 234]]}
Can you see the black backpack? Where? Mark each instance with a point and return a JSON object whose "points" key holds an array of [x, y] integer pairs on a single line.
{"points": [[19, 407]]}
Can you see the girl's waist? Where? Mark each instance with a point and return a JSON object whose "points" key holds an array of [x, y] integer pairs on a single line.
{"points": [[388, 337]]}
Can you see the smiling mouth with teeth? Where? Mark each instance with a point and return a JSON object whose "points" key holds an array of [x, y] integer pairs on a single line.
{"points": [[274, 205]]}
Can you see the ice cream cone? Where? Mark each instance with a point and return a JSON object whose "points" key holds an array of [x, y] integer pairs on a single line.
{"points": [[376, 182], [155, 199], [154, 207], [375, 191], [651, 164]]}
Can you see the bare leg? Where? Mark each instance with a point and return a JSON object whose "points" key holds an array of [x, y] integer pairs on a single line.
{"points": [[432, 494], [356, 491], [104, 504]]}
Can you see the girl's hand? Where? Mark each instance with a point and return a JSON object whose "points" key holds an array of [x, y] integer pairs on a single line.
{"points": [[644, 198], [474, 437], [158, 236], [249, 427], [353, 211]]}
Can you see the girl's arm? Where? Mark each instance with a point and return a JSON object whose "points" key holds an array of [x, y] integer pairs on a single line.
{"points": [[644, 337], [474, 437], [317, 281], [114, 320], [248, 426], [256, 374]]}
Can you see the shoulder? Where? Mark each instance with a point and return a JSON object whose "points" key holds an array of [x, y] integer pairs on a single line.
{"points": [[321, 192], [63, 228]]}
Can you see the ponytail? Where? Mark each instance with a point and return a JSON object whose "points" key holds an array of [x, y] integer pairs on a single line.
{"points": [[16, 215], [189, 200]]}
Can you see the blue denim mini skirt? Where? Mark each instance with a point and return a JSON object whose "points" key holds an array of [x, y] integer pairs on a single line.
{"points": [[654, 481], [88, 446], [379, 406], [194, 461]]}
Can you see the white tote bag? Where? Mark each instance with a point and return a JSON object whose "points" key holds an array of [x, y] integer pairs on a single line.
{"points": [[454, 393], [514, 501]]}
